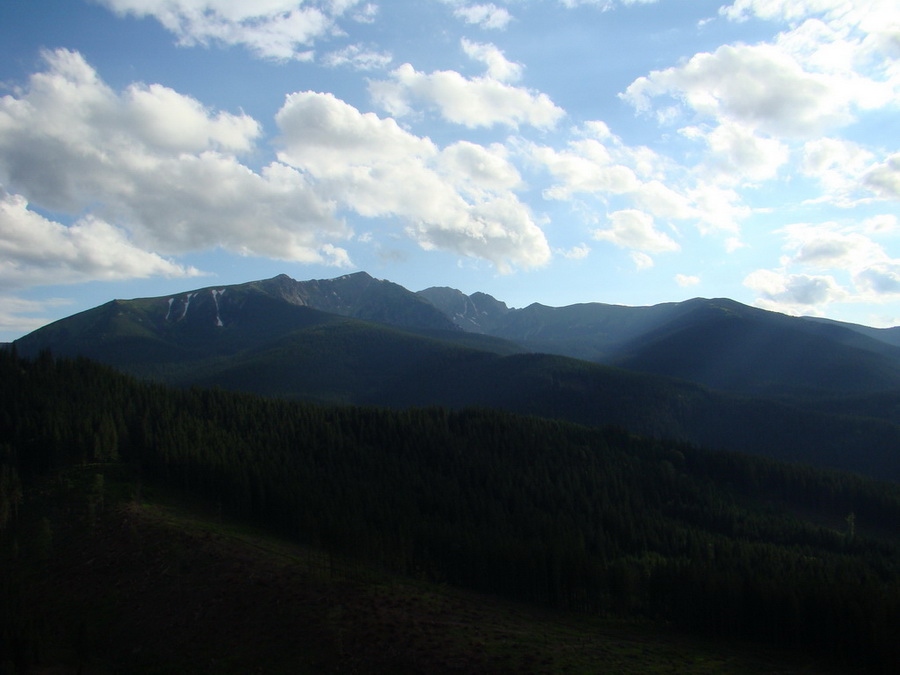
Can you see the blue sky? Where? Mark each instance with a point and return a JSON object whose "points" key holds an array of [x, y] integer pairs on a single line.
{"points": [[555, 151]]}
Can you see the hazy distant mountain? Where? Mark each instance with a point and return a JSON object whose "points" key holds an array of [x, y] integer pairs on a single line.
{"points": [[716, 342], [726, 345]]}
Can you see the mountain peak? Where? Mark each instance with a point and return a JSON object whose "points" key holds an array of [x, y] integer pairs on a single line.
{"points": [[476, 313], [359, 295]]}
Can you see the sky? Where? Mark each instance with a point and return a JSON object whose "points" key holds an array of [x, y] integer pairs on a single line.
{"points": [[556, 151]]}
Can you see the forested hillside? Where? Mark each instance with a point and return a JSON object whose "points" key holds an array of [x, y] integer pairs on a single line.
{"points": [[595, 520]]}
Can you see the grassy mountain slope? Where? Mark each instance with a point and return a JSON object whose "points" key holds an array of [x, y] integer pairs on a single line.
{"points": [[97, 597]]}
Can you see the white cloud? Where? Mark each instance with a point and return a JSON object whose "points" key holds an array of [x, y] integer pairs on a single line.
{"points": [[471, 102], [636, 230], [604, 5], [366, 13], [759, 86], [325, 135], [881, 280], [663, 202], [837, 165], [877, 20], [827, 246], [164, 119], [861, 32], [69, 143], [273, 29], [717, 208], [358, 58], [884, 179], [487, 16], [750, 104], [641, 260], [738, 155], [794, 293], [600, 164], [498, 66], [457, 199], [836, 251], [476, 169], [36, 251], [849, 250], [578, 252], [686, 280], [587, 167], [885, 223]]}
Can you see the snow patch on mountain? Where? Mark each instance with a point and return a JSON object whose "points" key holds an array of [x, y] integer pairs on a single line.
{"points": [[215, 295]]}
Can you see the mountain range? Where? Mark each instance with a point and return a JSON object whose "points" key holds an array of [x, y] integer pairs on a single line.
{"points": [[708, 371]]}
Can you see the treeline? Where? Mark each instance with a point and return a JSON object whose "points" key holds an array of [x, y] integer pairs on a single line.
{"points": [[594, 520]]}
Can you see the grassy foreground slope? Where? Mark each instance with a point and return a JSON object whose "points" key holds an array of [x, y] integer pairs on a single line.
{"points": [[155, 583]]}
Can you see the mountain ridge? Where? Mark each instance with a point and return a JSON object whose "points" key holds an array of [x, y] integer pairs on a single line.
{"points": [[711, 372], [716, 342]]}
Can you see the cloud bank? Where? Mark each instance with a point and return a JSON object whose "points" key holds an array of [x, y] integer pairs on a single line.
{"points": [[147, 172], [459, 198], [271, 29]]}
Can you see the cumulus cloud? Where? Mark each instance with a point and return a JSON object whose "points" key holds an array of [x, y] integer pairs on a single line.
{"points": [[794, 293], [760, 110], [834, 251], [884, 223], [828, 246], [273, 29], [472, 102], [458, 198], [738, 155], [35, 250], [833, 34], [884, 179], [876, 23], [498, 66], [664, 202], [635, 230], [600, 164], [759, 86], [487, 16], [850, 250], [837, 165], [586, 167], [478, 170], [158, 165], [882, 279], [154, 170]]}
